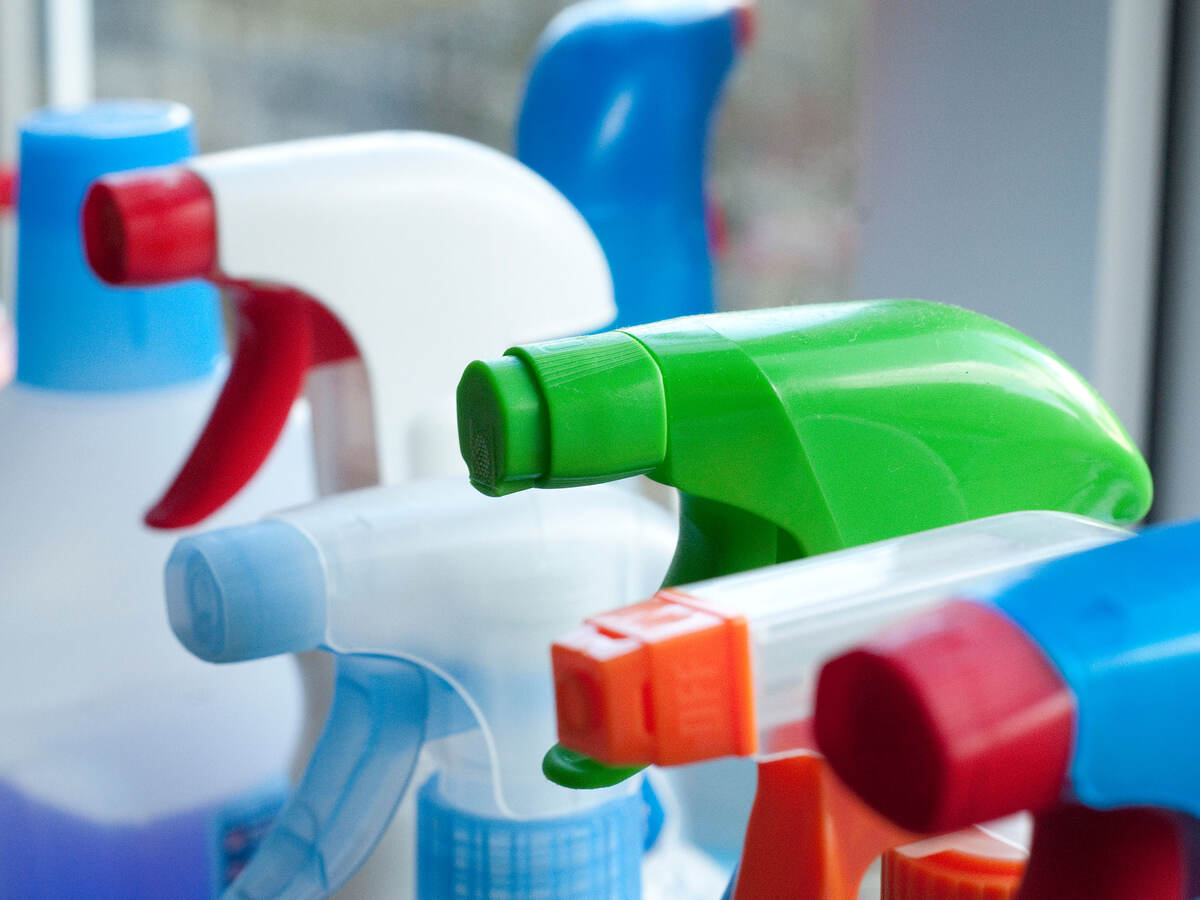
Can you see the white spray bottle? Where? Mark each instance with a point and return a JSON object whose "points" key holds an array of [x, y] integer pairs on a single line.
{"points": [[462, 593], [96, 797], [378, 262]]}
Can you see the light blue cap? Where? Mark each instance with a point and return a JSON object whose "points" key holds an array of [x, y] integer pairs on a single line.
{"points": [[75, 333], [592, 855], [246, 592]]}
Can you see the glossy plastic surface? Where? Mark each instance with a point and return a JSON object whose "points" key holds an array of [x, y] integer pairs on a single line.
{"points": [[616, 115], [75, 333], [863, 421], [504, 577], [637, 665], [461, 243]]}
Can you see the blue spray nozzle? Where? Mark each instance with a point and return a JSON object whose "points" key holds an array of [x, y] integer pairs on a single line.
{"points": [[616, 115], [246, 592], [75, 333]]}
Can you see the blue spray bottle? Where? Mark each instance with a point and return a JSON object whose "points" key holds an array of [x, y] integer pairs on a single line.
{"points": [[616, 115]]}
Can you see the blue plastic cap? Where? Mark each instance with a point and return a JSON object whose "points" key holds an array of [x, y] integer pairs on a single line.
{"points": [[593, 855], [616, 115], [246, 592], [74, 332]]}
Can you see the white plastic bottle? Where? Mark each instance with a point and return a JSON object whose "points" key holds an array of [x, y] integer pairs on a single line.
{"points": [[465, 591], [128, 769]]}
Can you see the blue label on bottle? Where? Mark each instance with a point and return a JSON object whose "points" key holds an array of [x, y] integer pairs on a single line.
{"points": [[51, 853]]}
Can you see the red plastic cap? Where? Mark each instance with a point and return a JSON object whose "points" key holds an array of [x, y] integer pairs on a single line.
{"points": [[952, 718], [150, 226], [746, 24], [665, 681], [8, 188]]}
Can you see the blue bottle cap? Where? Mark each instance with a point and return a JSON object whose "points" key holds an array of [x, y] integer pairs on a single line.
{"points": [[592, 855], [246, 592], [73, 332]]}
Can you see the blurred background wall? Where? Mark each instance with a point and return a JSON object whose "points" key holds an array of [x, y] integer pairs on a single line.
{"points": [[784, 164]]}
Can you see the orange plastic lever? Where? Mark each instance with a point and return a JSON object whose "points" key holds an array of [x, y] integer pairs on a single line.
{"points": [[809, 837]]}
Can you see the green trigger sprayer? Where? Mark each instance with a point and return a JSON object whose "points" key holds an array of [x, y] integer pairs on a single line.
{"points": [[797, 431]]}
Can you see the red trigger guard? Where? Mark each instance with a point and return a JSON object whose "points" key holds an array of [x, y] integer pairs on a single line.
{"points": [[281, 334], [1121, 854]]}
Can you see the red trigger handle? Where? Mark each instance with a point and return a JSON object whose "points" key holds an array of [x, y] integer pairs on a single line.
{"points": [[1121, 854], [281, 334], [273, 356], [153, 226]]}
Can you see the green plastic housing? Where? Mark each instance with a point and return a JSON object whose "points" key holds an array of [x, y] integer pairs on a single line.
{"points": [[796, 431]]}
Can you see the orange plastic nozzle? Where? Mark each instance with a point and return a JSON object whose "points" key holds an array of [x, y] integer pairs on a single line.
{"points": [[666, 681]]}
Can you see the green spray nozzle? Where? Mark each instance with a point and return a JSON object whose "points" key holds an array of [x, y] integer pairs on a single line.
{"points": [[546, 415], [797, 431]]}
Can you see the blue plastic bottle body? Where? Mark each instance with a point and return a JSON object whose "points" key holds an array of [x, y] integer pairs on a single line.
{"points": [[616, 116], [1122, 625]]}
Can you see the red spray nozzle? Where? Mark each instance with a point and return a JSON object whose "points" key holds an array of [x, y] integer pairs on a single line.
{"points": [[953, 718], [158, 225], [746, 24], [8, 189], [150, 226]]}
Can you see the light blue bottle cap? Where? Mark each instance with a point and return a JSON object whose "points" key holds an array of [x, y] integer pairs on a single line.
{"points": [[246, 592], [74, 332], [593, 855]]}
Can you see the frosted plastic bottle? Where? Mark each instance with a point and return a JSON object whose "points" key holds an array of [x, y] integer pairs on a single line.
{"points": [[471, 591], [128, 769], [401, 252]]}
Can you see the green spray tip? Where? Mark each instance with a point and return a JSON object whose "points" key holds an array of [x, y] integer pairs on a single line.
{"points": [[797, 431]]}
